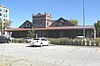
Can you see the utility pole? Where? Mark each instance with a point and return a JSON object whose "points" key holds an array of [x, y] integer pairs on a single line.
{"points": [[84, 18], [2, 28]]}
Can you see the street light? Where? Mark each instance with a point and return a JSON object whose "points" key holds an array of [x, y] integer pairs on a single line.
{"points": [[83, 18]]}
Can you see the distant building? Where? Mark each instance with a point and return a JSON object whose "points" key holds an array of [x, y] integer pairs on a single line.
{"points": [[4, 15]]}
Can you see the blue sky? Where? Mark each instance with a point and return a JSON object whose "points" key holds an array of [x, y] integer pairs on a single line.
{"points": [[22, 10]]}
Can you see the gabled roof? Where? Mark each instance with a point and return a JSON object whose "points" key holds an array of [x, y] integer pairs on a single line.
{"points": [[26, 24], [61, 22]]}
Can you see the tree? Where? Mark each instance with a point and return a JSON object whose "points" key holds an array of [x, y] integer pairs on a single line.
{"points": [[0, 25], [74, 21], [6, 24], [31, 33], [97, 27]]}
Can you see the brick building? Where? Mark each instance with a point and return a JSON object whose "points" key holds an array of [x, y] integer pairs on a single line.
{"points": [[41, 20]]}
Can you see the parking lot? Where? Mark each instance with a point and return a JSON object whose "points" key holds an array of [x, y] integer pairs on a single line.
{"points": [[15, 54]]}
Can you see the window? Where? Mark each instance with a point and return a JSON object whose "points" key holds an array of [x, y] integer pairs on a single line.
{"points": [[43, 39], [0, 14], [26, 25], [4, 15], [6, 11], [40, 24], [0, 19], [63, 23], [0, 10], [61, 20], [47, 23], [4, 19], [37, 24], [36, 39]]}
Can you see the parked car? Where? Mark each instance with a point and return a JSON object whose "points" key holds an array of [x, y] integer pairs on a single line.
{"points": [[39, 42], [27, 39], [4, 39], [81, 38]]}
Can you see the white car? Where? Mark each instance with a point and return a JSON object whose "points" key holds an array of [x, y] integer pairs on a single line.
{"points": [[27, 39], [39, 42], [81, 38]]}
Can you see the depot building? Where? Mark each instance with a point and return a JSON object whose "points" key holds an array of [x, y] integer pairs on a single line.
{"points": [[44, 26]]}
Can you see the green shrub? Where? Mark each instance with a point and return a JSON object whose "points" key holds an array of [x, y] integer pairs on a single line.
{"points": [[83, 42], [18, 40], [87, 42], [62, 41], [70, 42], [59, 41], [53, 40], [75, 42], [79, 42], [93, 42], [97, 41], [67, 41]]}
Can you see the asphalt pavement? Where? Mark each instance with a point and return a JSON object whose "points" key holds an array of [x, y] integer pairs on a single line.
{"points": [[16, 54]]}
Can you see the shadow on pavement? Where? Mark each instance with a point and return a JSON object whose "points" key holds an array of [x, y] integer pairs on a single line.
{"points": [[34, 46]]}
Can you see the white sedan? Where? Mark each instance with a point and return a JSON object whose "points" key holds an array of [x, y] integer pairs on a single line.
{"points": [[39, 42]]}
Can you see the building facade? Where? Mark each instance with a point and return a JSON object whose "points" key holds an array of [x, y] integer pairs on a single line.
{"points": [[4, 13], [55, 32], [41, 20], [26, 24], [44, 26], [4, 18]]}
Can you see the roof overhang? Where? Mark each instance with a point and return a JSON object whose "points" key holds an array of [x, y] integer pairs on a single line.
{"points": [[52, 28]]}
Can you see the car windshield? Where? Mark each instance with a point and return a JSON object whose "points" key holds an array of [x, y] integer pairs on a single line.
{"points": [[27, 38], [44, 39], [80, 37], [36, 39]]}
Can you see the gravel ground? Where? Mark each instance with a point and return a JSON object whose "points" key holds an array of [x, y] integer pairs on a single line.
{"points": [[15, 54]]}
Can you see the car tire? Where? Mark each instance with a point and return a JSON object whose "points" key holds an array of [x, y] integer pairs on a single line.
{"points": [[8, 42]]}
